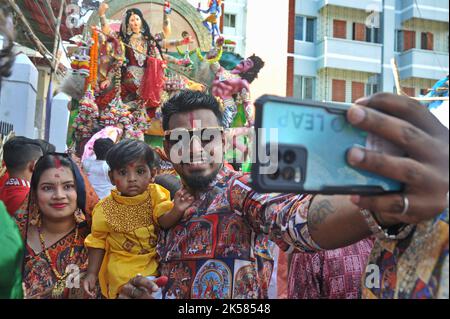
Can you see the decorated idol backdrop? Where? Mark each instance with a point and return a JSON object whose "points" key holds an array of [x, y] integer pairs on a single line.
{"points": [[134, 55]]}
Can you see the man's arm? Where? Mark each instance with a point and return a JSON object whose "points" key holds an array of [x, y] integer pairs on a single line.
{"points": [[327, 222], [334, 222]]}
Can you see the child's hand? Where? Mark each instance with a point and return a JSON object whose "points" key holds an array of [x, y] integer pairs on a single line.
{"points": [[183, 200], [89, 283]]}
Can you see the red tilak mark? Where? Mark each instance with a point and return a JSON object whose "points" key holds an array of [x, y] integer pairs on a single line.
{"points": [[191, 119], [132, 165], [57, 176], [57, 163]]}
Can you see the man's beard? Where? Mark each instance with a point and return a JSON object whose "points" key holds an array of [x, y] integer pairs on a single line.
{"points": [[199, 183]]}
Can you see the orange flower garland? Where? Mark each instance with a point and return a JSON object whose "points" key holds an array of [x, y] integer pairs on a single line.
{"points": [[93, 74]]}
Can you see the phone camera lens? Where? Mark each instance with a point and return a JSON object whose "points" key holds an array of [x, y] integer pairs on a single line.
{"points": [[275, 175], [290, 157], [288, 173]]}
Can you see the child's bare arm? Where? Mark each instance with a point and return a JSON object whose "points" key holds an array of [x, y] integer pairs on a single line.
{"points": [[95, 259], [182, 201]]}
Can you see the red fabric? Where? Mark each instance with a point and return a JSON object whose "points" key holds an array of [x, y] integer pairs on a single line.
{"points": [[153, 82], [14, 195], [3, 180], [331, 274], [282, 275]]}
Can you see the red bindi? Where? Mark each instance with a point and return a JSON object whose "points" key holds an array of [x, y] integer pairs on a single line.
{"points": [[57, 162], [57, 176], [191, 119]]}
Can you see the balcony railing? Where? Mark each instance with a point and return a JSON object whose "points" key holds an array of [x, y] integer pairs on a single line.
{"points": [[367, 5], [423, 64], [436, 10], [349, 55]]}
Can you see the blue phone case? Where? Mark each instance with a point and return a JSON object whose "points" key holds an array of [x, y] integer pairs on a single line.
{"points": [[320, 137]]}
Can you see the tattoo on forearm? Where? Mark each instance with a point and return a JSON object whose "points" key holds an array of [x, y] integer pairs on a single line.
{"points": [[318, 213]]}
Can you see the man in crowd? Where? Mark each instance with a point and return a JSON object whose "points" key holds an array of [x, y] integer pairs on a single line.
{"points": [[217, 236], [20, 155]]}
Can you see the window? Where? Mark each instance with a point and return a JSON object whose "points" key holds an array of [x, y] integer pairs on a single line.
{"points": [[338, 91], [357, 90], [340, 29], [304, 87], [363, 33], [359, 32], [399, 41], [406, 40], [371, 89], [372, 85], [426, 41], [304, 28], [229, 20], [409, 91], [373, 35]]}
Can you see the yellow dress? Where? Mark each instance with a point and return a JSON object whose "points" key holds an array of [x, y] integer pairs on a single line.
{"points": [[127, 229]]}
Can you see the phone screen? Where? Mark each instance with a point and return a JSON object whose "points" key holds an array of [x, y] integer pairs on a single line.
{"points": [[319, 138]]}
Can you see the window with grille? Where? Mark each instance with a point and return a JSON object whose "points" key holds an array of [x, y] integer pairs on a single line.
{"points": [[304, 87], [229, 20], [305, 28]]}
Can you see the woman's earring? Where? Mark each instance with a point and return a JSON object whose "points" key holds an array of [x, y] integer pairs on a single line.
{"points": [[79, 216], [35, 216]]}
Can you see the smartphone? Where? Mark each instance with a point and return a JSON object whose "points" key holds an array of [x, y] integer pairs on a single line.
{"points": [[302, 146]]}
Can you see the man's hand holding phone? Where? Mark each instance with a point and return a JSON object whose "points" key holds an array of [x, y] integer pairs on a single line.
{"points": [[424, 172]]}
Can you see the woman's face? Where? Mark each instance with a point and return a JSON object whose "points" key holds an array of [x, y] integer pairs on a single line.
{"points": [[57, 193], [135, 23]]}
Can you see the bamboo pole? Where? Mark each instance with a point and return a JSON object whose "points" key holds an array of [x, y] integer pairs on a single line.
{"points": [[396, 77], [39, 45], [48, 5], [431, 99], [57, 36]]}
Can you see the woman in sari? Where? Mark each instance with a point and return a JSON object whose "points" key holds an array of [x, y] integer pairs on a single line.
{"points": [[53, 228]]}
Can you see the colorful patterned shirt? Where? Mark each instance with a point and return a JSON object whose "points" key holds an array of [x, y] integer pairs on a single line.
{"points": [[413, 268], [220, 250]]}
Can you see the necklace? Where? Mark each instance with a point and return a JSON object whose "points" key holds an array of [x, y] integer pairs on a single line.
{"points": [[60, 285], [139, 47]]}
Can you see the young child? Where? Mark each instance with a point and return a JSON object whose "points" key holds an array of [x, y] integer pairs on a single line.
{"points": [[125, 224]]}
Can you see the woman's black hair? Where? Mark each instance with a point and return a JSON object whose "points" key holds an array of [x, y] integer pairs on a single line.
{"points": [[146, 30], [252, 74], [188, 100], [129, 151], [55, 161]]}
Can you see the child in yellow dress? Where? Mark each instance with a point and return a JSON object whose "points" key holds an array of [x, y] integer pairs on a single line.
{"points": [[125, 224]]}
